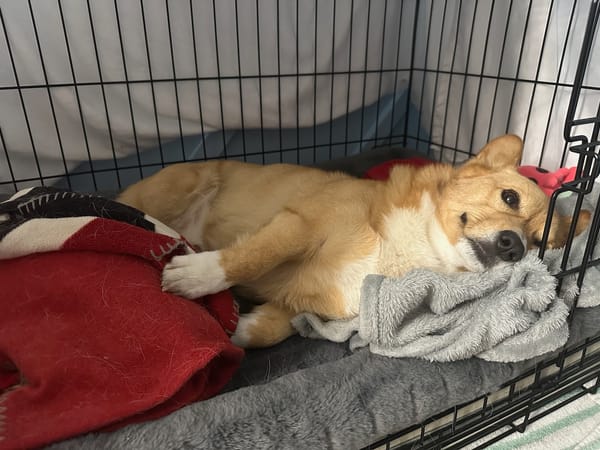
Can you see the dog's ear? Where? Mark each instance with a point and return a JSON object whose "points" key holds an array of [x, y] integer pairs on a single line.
{"points": [[582, 222], [561, 226], [504, 151], [585, 217]]}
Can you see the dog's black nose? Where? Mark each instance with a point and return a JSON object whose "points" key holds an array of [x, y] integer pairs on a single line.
{"points": [[509, 246]]}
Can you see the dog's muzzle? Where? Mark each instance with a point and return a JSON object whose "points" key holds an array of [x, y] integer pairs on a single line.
{"points": [[509, 246], [506, 246]]}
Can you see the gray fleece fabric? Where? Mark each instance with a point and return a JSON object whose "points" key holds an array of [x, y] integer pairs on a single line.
{"points": [[508, 313], [316, 394]]}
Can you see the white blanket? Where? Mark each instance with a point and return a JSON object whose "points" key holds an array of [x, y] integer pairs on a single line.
{"points": [[287, 46], [454, 109]]}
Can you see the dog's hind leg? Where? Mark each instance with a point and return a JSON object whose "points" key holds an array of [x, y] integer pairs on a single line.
{"points": [[286, 237], [266, 325], [179, 196]]}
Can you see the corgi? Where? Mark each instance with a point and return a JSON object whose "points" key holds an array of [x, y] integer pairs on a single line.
{"points": [[298, 239]]}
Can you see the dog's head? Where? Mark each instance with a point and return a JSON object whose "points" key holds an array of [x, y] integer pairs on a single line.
{"points": [[490, 213]]}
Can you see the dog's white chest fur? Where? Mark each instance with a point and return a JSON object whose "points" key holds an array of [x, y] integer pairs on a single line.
{"points": [[406, 241], [404, 245]]}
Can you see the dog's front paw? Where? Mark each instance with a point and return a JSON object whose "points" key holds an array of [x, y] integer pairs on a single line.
{"points": [[194, 275]]}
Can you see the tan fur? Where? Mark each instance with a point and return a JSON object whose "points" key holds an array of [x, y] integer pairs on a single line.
{"points": [[299, 237], [266, 325]]}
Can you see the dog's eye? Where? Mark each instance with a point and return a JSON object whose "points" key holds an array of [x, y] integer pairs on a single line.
{"points": [[511, 198], [463, 218]]}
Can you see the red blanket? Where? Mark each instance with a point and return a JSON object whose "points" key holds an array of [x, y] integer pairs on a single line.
{"points": [[382, 171], [87, 338]]}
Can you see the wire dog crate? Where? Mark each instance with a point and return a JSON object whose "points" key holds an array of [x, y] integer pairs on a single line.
{"points": [[96, 95]]}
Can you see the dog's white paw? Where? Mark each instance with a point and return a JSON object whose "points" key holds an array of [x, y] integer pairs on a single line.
{"points": [[242, 337], [194, 275]]}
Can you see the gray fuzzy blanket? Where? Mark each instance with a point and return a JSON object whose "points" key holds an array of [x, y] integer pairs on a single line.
{"points": [[316, 394], [508, 313]]}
